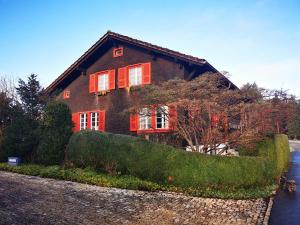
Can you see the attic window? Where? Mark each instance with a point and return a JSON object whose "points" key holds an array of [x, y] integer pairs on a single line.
{"points": [[66, 94], [117, 52]]}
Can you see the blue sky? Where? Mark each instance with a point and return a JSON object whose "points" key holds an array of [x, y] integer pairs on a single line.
{"points": [[253, 40]]}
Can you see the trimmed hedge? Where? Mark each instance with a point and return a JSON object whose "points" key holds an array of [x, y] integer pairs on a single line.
{"points": [[156, 162], [89, 176], [277, 151]]}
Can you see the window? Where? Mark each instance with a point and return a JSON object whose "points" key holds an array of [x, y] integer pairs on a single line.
{"points": [[103, 82], [145, 119], [135, 76], [66, 94], [94, 120], [83, 121], [117, 52], [162, 114]]}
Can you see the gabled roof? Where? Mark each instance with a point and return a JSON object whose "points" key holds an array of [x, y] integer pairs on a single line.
{"points": [[118, 37]]}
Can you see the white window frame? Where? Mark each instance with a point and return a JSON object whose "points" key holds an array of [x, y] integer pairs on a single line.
{"points": [[83, 121], [103, 82], [163, 116], [145, 119], [94, 120], [135, 76]]}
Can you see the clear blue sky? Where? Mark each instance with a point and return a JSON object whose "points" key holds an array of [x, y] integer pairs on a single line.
{"points": [[253, 40]]}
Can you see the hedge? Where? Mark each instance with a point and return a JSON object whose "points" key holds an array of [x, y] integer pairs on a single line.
{"points": [[164, 164], [89, 176], [277, 151]]}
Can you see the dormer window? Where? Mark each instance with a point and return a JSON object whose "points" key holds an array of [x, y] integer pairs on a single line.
{"points": [[117, 52]]}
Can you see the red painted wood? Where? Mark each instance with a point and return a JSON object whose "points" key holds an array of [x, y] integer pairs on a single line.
{"points": [[111, 79], [146, 70], [133, 122], [92, 83], [75, 120], [101, 120], [172, 117], [122, 77]]}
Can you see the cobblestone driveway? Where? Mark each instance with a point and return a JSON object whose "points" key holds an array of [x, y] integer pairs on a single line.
{"points": [[34, 200]]}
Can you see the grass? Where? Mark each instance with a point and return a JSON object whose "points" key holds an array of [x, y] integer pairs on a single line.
{"points": [[89, 176]]}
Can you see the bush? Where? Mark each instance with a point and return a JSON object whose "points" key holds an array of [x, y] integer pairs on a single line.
{"points": [[89, 176], [56, 129], [20, 138], [276, 150], [157, 162]]}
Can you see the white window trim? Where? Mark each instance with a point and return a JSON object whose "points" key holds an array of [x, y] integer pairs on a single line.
{"points": [[135, 76], [95, 123], [103, 86], [83, 124], [164, 118], [145, 119]]}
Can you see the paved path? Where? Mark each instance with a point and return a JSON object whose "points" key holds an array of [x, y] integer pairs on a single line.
{"points": [[286, 206], [34, 200]]}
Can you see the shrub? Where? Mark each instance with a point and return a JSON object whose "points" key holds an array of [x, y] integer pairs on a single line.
{"points": [[56, 129], [20, 138], [277, 151], [156, 162]]}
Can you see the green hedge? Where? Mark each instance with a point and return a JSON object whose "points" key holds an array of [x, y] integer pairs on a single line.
{"points": [[89, 176], [155, 162], [277, 151]]}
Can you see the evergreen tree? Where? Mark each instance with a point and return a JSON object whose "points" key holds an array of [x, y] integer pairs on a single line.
{"points": [[30, 94], [56, 129]]}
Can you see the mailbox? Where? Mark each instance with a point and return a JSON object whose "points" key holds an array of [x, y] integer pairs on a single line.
{"points": [[14, 161]]}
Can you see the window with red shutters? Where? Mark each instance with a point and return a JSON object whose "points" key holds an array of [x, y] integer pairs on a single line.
{"points": [[102, 120], [122, 77], [162, 119]]}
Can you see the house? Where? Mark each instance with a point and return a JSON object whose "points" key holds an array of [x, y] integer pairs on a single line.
{"points": [[96, 86]]}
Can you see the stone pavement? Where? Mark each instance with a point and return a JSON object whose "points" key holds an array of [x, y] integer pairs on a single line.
{"points": [[33, 200]]}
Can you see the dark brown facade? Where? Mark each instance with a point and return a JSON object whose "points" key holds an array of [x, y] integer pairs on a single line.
{"points": [[74, 82]]}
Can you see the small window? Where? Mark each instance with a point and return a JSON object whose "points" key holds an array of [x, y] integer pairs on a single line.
{"points": [[94, 120], [66, 94], [117, 52], [103, 82], [135, 76], [83, 121], [162, 114], [145, 119]]}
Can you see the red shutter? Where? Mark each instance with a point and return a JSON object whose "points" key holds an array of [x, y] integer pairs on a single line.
{"points": [[133, 122], [93, 83], [75, 120], [146, 70], [111, 79], [172, 117], [102, 121], [122, 77]]}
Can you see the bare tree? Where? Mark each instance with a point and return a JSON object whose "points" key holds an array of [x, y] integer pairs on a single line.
{"points": [[210, 112]]}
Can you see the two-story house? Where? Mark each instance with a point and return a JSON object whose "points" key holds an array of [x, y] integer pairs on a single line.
{"points": [[96, 86]]}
